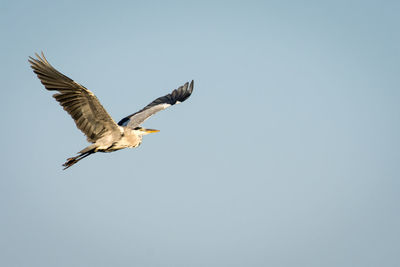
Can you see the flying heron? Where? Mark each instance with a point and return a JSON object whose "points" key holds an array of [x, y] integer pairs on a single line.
{"points": [[93, 120]]}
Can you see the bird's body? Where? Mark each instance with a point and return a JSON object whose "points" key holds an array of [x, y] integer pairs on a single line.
{"points": [[126, 138], [119, 140], [93, 120]]}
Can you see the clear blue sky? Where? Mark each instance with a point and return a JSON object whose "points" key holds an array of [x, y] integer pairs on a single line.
{"points": [[287, 153]]}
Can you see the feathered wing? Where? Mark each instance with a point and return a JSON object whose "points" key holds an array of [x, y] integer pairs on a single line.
{"points": [[161, 103], [89, 115]]}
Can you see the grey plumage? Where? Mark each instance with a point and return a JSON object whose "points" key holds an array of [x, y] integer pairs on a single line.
{"points": [[161, 103], [89, 115], [92, 119]]}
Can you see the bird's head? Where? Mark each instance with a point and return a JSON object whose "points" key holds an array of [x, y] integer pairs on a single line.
{"points": [[144, 131]]}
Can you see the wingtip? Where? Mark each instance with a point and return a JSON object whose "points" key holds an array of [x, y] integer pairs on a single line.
{"points": [[40, 57], [191, 86], [185, 86], [33, 59]]}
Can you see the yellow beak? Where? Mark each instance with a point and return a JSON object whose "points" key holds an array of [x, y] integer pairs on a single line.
{"points": [[151, 131]]}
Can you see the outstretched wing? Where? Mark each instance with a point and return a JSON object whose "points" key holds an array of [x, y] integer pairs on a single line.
{"points": [[83, 106], [175, 97]]}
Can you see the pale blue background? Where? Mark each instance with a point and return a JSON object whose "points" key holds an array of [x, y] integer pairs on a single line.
{"points": [[287, 153]]}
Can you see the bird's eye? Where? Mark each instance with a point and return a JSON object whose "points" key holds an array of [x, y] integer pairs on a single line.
{"points": [[137, 128]]}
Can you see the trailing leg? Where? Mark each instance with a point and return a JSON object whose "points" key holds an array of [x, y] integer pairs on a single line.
{"points": [[73, 160]]}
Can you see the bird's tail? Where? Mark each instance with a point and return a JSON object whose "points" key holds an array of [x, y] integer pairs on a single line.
{"points": [[82, 154]]}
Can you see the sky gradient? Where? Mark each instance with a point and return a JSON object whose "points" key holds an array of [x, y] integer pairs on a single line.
{"points": [[286, 154]]}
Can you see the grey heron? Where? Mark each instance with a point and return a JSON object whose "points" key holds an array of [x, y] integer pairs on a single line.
{"points": [[93, 120]]}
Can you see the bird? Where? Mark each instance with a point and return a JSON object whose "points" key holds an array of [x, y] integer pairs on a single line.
{"points": [[104, 134]]}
